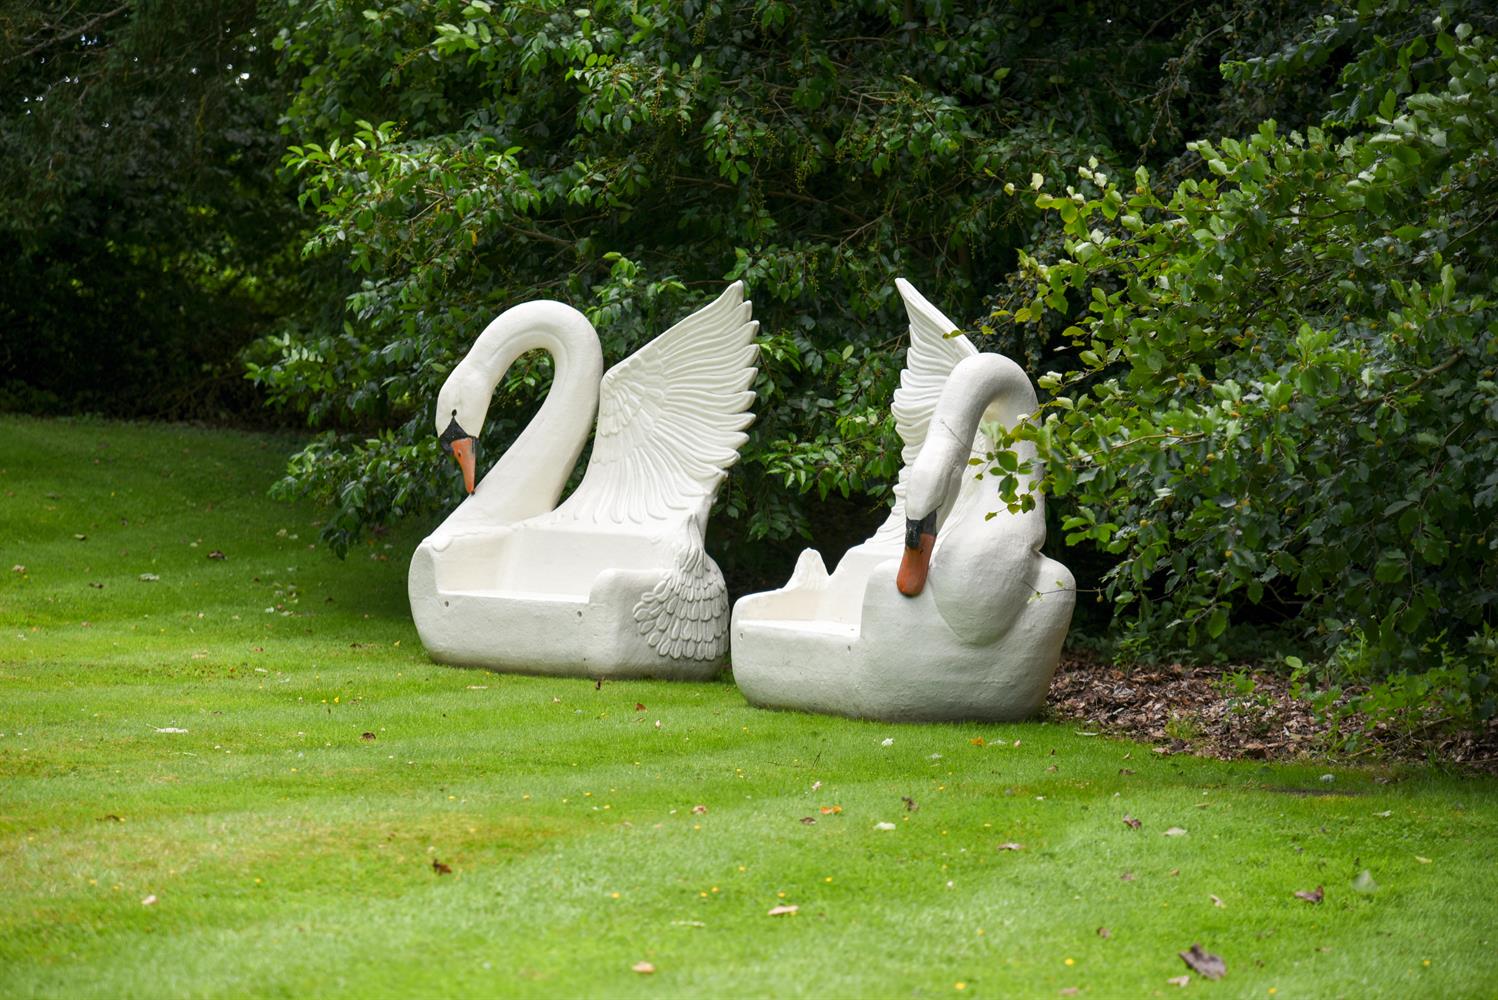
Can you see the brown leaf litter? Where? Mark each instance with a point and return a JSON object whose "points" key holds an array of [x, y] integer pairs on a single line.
{"points": [[1186, 709], [1204, 962]]}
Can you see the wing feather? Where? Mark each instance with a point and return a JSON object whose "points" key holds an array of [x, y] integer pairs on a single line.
{"points": [[671, 418]]}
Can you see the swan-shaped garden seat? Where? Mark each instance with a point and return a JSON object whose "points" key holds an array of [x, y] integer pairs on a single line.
{"points": [[614, 582], [980, 635]]}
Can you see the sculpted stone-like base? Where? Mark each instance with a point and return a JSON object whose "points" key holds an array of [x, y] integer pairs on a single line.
{"points": [[470, 610], [891, 657]]}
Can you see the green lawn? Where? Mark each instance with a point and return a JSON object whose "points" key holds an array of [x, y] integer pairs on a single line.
{"points": [[586, 829]]}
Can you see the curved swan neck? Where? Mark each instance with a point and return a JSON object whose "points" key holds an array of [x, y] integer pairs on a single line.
{"points": [[983, 571], [528, 478], [988, 384]]}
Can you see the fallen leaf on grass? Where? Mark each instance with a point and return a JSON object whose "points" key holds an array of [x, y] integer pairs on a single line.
{"points": [[366, 736], [1217, 902], [1385, 814], [1125, 770], [1423, 861], [699, 810], [81, 538], [1210, 965], [97, 586], [1011, 846], [1179, 981], [1104, 933], [1175, 831], [149, 900], [831, 810], [783, 911], [910, 805], [1131, 822], [884, 826], [639, 707], [808, 820], [440, 868], [978, 741], [148, 577], [643, 968], [111, 818], [18, 568], [216, 554], [1126, 877], [1316, 895]]}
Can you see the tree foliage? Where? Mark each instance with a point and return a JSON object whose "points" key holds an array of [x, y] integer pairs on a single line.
{"points": [[1285, 387], [630, 156], [139, 205]]}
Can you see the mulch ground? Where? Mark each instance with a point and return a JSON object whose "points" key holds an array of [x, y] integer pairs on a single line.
{"points": [[1184, 709]]}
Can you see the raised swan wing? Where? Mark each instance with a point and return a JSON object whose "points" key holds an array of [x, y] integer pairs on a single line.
{"points": [[928, 363], [671, 419]]}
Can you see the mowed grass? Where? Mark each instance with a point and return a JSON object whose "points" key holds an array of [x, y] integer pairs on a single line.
{"points": [[588, 829]]}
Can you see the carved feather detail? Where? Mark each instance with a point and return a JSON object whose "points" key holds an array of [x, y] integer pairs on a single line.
{"points": [[928, 363], [671, 418], [685, 615]]}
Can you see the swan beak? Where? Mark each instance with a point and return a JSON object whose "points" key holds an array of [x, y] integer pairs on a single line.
{"points": [[920, 539], [464, 451]]}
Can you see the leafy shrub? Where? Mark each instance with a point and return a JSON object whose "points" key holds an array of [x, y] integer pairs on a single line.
{"points": [[145, 231], [629, 158], [1284, 397]]}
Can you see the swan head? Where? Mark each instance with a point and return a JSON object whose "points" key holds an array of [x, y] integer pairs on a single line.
{"points": [[934, 482], [462, 406]]}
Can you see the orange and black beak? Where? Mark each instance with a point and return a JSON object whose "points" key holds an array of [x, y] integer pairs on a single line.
{"points": [[464, 448], [920, 539]]}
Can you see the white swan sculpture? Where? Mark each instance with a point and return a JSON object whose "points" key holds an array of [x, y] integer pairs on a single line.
{"points": [[980, 637], [615, 582]]}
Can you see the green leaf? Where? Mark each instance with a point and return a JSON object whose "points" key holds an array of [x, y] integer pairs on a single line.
{"points": [[1217, 622], [1390, 567]]}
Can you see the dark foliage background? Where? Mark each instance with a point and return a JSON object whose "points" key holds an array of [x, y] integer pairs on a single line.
{"points": [[146, 231]]}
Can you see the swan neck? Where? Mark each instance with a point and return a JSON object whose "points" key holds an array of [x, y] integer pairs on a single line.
{"points": [[529, 477], [985, 385], [982, 569]]}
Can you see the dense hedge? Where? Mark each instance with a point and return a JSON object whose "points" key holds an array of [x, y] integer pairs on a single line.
{"points": [[632, 157], [147, 236]]}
